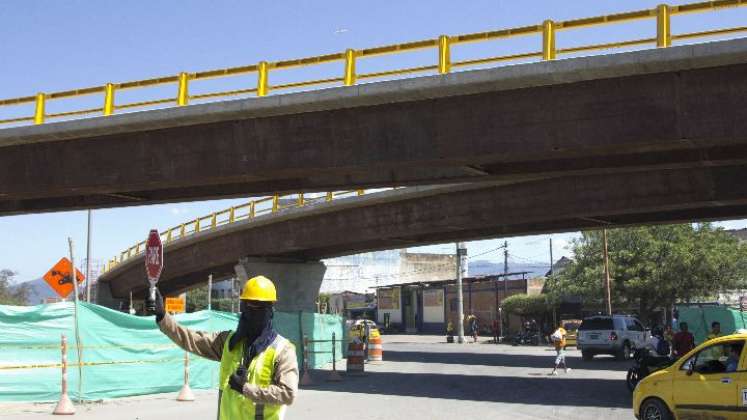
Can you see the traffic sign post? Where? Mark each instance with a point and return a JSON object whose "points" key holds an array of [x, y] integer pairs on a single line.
{"points": [[153, 261]]}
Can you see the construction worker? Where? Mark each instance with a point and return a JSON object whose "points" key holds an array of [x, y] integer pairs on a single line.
{"points": [[258, 367]]}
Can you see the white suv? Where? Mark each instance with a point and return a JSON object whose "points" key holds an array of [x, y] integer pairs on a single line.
{"points": [[618, 335]]}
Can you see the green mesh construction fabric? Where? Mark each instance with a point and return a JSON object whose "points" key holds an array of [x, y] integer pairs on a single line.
{"points": [[122, 354], [699, 319]]}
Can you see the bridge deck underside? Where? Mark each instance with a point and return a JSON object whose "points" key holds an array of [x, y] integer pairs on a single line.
{"points": [[667, 119], [464, 212]]}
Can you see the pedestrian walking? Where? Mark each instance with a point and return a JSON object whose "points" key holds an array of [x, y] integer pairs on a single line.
{"points": [[258, 368], [683, 341], [558, 339], [496, 331], [474, 327]]}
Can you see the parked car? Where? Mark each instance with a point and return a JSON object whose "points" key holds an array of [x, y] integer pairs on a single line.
{"points": [[706, 383], [617, 335]]}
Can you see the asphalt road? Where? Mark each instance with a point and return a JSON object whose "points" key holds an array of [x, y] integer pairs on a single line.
{"points": [[421, 377]]}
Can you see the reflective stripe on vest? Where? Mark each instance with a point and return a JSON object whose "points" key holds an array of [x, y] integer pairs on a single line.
{"points": [[233, 405]]}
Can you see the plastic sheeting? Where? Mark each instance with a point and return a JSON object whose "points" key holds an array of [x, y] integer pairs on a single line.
{"points": [[122, 354], [699, 319]]}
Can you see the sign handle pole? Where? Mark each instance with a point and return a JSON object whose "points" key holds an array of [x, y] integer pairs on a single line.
{"points": [[75, 321]]}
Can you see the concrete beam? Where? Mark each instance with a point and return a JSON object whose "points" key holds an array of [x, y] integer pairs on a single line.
{"points": [[674, 107], [422, 216]]}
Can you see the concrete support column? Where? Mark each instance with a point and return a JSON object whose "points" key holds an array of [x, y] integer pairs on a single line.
{"points": [[297, 282]]}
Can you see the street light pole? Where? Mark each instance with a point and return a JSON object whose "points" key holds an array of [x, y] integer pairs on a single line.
{"points": [[88, 260], [461, 253], [608, 294]]}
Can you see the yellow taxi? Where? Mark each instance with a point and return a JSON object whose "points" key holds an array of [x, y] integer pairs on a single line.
{"points": [[709, 382], [358, 329], [571, 328]]}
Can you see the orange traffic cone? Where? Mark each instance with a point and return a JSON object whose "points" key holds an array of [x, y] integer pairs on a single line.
{"points": [[64, 406]]}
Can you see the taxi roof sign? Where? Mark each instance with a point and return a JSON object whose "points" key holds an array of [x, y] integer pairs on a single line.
{"points": [[58, 277]]}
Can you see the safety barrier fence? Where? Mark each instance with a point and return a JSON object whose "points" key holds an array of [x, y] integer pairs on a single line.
{"points": [[121, 354], [310, 348], [248, 211], [348, 76]]}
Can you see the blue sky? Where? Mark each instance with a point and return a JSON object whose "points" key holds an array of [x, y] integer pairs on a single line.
{"points": [[59, 45]]}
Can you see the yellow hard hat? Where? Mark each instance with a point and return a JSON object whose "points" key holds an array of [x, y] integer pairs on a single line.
{"points": [[259, 288]]}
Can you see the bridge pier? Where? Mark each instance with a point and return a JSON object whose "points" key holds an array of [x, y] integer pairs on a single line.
{"points": [[297, 282]]}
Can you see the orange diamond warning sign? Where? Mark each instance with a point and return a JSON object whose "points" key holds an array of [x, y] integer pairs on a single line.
{"points": [[59, 277]]}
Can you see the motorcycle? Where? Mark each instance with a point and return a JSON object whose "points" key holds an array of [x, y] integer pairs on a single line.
{"points": [[526, 338], [644, 364]]}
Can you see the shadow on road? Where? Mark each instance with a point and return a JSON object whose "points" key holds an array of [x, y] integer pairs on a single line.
{"points": [[546, 391], [502, 359]]}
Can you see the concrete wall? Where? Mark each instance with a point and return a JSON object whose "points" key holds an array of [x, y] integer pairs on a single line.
{"points": [[433, 313], [480, 298], [393, 306], [425, 267], [362, 272]]}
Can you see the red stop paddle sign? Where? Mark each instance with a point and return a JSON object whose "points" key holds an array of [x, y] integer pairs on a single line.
{"points": [[153, 256]]}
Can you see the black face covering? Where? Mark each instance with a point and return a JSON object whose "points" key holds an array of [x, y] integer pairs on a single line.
{"points": [[255, 325]]}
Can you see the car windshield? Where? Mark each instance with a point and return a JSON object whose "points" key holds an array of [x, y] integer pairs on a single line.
{"points": [[596, 324]]}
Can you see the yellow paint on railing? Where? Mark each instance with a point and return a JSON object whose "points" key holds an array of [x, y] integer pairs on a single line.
{"points": [[109, 99], [662, 14], [663, 33], [548, 40], [216, 220]]}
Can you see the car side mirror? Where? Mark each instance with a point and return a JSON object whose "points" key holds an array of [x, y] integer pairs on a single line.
{"points": [[690, 368]]}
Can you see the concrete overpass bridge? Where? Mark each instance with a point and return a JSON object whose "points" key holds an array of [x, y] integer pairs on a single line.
{"points": [[675, 107], [288, 244]]}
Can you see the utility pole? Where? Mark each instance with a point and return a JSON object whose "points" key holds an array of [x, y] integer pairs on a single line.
{"points": [[88, 260], [210, 291], [608, 295], [551, 260], [461, 254], [554, 315], [505, 269]]}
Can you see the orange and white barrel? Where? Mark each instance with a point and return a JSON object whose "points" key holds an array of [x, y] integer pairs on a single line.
{"points": [[355, 357], [375, 349]]}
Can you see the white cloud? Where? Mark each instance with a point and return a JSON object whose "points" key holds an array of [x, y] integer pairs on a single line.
{"points": [[176, 211]]}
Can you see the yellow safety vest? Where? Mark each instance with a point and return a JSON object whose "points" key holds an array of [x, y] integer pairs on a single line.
{"points": [[234, 405]]}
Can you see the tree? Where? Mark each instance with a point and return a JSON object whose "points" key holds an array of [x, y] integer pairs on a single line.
{"points": [[12, 294], [527, 305], [654, 266], [197, 301]]}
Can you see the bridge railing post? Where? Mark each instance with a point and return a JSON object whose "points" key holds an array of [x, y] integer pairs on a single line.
{"points": [[182, 96], [444, 54], [252, 210], [109, 99], [232, 215], [663, 29], [349, 67], [300, 201], [548, 40], [214, 221], [262, 78], [39, 108], [329, 196], [275, 203]]}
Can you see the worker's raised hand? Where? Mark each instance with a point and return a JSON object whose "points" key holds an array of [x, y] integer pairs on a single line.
{"points": [[156, 307], [237, 381]]}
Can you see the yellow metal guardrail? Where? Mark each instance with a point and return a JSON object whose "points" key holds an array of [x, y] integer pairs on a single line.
{"points": [[664, 38], [248, 211]]}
